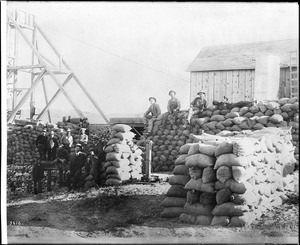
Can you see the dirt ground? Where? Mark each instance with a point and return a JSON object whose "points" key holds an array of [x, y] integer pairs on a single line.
{"points": [[132, 216]]}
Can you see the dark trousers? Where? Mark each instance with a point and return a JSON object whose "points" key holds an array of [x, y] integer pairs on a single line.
{"points": [[62, 166], [74, 181], [37, 187]]}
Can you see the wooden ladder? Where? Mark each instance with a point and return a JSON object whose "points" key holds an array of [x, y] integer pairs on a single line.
{"points": [[294, 77]]}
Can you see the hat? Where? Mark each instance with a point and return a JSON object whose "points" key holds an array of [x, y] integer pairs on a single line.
{"points": [[44, 130], [152, 98], [79, 145], [172, 91], [201, 92]]}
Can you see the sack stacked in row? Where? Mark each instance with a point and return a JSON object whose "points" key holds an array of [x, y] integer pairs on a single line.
{"points": [[176, 196], [249, 176], [169, 134], [123, 159], [201, 197]]}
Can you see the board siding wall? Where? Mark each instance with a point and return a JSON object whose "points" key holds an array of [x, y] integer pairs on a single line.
{"points": [[236, 85]]}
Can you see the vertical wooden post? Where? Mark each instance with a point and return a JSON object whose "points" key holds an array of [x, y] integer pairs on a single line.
{"points": [[32, 96], [148, 159]]}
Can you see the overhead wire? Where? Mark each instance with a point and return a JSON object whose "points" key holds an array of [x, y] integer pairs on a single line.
{"points": [[127, 59]]}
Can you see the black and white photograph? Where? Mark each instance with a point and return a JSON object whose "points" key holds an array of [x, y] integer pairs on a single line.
{"points": [[149, 122]]}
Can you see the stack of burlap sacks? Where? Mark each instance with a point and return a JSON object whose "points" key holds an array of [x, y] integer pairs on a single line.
{"points": [[169, 136], [22, 152], [176, 196], [235, 179], [123, 158]]}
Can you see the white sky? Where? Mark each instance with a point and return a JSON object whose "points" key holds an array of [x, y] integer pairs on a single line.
{"points": [[164, 36]]}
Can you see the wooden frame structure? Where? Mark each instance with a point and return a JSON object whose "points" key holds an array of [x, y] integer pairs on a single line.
{"points": [[43, 67]]}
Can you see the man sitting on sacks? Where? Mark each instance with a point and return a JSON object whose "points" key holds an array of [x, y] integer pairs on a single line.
{"points": [[62, 163], [197, 106], [173, 108], [74, 176], [154, 111]]}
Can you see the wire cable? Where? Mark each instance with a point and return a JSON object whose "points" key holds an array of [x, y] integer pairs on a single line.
{"points": [[127, 59]]}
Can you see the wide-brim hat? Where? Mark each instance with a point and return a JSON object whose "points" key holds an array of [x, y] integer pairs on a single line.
{"points": [[152, 98], [201, 92], [172, 91]]}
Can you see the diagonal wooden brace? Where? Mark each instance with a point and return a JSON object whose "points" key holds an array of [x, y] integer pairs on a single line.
{"points": [[28, 93], [54, 97]]}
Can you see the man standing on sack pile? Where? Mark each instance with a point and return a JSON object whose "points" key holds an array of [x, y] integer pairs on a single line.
{"points": [[197, 106], [155, 111], [41, 144], [75, 177], [62, 163], [52, 146]]}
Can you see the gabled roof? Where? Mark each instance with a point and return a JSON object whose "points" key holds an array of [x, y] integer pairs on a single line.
{"points": [[241, 56]]}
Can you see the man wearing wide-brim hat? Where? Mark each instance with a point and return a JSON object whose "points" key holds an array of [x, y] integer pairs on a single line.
{"points": [[197, 105], [174, 103], [151, 114]]}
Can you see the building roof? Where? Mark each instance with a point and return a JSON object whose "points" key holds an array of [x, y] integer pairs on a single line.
{"points": [[241, 56]]}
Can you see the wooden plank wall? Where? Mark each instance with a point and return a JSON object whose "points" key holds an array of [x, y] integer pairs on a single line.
{"points": [[236, 85], [284, 84]]}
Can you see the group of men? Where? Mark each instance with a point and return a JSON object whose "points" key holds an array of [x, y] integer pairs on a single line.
{"points": [[74, 168], [196, 108]]}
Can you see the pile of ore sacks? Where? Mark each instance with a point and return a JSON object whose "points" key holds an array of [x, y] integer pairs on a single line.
{"points": [[22, 152], [123, 158], [170, 134], [233, 178]]}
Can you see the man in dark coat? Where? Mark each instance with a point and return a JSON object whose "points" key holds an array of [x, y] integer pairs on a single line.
{"points": [[74, 176], [41, 144], [151, 114], [62, 162], [52, 146]]}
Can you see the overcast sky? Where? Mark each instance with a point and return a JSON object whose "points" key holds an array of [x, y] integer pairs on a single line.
{"points": [[126, 52]]}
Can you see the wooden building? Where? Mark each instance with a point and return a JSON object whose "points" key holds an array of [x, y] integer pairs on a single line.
{"points": [[229, 70]]}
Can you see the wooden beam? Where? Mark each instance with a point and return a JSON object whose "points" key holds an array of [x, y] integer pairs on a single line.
{"points": [[24, 67], [36, 52], [91, 99], [74, 76], [46, 99], [66, 94], [24, 98], [54, 97]]}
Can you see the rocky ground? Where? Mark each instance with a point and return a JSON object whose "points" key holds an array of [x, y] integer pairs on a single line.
{"points": [[132, 214]]}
